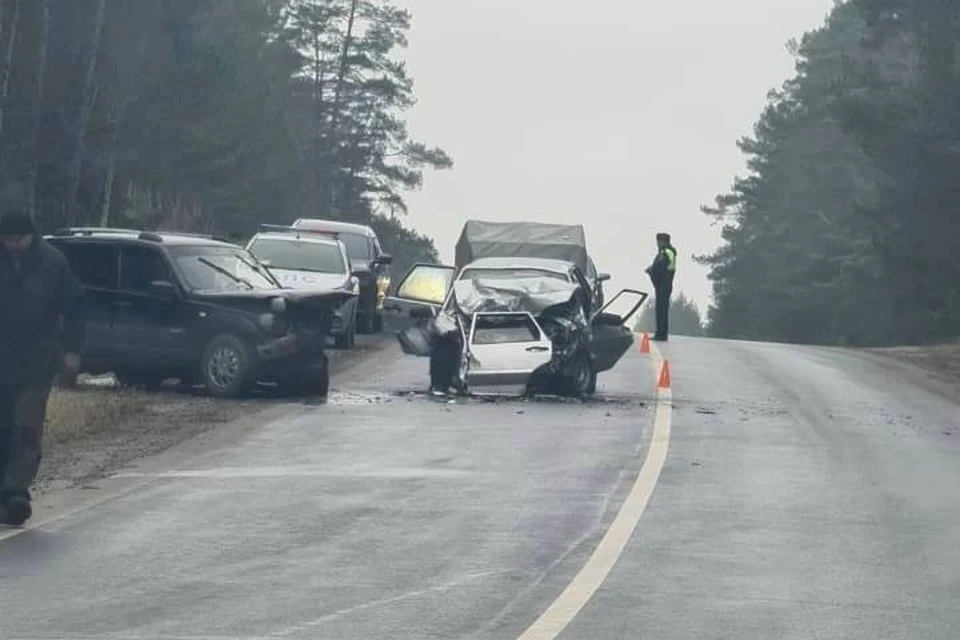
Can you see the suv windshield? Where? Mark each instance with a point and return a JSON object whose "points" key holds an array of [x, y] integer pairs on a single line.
{"points": [[221, 269], [299, 255]]}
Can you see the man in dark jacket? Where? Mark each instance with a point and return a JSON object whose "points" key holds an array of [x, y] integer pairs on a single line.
{"points": [[661, 272], [41, 331]]}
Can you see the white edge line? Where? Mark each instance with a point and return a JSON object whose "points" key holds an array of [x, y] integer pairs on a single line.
{"points": [[592, 575]]}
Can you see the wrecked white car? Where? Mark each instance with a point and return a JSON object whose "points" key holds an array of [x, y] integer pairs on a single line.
{"points": [[509, 322]]}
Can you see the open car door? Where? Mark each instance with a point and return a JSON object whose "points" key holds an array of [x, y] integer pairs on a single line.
{"points": [[505, 348], [415, 302], [611, 336]]}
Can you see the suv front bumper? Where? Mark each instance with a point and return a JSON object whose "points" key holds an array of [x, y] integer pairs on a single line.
{"points": [[291, 350]]}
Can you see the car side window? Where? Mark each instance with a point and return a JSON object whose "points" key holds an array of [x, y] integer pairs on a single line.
{"points": [[139, 266], [94, 264], [426, 283]]}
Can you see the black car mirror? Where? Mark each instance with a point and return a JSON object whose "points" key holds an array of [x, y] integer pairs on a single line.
{"points": [[383, 258], [163, 289]]}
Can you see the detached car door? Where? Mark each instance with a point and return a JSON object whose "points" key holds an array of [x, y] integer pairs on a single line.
{"points": [[418, 297], [611, 336]]}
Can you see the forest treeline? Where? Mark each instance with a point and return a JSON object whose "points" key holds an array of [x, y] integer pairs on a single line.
{"points": [[210, 115], [846, 229]]}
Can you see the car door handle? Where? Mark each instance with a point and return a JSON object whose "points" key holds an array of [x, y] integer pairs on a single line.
{"points": [[391, 307], [537, 349]]}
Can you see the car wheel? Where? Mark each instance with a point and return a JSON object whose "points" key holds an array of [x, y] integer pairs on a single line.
{"points": [[225, 366], [582, 378], [377, 322]]}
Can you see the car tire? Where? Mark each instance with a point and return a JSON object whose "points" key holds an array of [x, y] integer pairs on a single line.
{"points": [[582, 378], [377, 322], [225, 366]]}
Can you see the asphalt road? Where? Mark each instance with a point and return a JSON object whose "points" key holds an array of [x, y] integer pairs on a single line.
{"points": [[806, 494]]}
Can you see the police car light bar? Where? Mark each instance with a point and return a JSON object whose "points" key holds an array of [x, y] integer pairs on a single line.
{"points": [[279, 228]]}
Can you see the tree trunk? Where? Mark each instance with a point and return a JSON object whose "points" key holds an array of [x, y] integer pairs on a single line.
{"points": [[347, 42], [5, 78], [338, 89], [117, 122], [86, 106], [38, 110]]}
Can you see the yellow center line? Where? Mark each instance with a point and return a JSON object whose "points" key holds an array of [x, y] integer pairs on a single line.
{"points": [[569, 603]]}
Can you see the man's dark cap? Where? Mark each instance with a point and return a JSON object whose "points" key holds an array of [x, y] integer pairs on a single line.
{"points": [[17, 222], [663, 236]]}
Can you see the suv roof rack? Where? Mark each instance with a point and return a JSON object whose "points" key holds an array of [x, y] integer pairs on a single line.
{"points": [[149, 236], [89, 231]]}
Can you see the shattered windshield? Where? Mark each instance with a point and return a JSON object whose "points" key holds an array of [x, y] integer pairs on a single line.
{"points": [[221, 269]]}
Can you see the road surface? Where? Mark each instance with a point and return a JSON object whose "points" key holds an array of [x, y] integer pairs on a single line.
{"points": [[806, 493]]}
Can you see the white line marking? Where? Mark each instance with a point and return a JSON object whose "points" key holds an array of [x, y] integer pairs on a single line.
{"points": [[569, 603]]}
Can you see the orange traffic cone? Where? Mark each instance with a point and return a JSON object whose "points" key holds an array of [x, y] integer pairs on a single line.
{"points": [[664, 382], [645, 343]]}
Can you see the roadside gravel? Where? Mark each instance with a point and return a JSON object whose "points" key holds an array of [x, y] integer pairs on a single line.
{"points": [[97, 429]]}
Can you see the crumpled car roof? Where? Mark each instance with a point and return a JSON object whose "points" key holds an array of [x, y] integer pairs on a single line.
{"points": [[530, 294]]}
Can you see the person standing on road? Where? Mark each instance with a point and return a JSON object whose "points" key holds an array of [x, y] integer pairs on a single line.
{"points": [[661, 273], [41, 332]]}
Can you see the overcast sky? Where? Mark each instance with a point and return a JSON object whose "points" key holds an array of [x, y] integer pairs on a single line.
{"points": [[618, 114]]}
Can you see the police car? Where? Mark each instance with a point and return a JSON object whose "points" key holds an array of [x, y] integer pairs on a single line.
{"points": [[301, 259]]}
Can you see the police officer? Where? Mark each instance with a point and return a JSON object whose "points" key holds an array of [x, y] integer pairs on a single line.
{"points": [[41, 330], [661, 272]]}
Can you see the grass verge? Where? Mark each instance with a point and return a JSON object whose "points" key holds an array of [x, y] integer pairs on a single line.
{"points": [[941, 360], [79, 413]]}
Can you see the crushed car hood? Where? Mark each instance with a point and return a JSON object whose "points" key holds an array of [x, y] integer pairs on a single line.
{"points": [[296, 279], [533, 295]]}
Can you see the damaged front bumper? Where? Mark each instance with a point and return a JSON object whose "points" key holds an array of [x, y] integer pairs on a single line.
{"points": [[290, 351]]}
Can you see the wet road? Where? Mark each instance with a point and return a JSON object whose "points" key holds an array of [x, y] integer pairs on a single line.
{"points": [[806, 494]]}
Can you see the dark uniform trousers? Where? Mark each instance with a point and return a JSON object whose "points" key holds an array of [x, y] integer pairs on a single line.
{"points": [[662, 296], [22, 415]]}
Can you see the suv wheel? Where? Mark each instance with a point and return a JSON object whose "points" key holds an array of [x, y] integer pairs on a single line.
{"points": [[225, 366]]}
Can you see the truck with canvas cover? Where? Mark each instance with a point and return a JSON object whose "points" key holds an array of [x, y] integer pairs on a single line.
{"points": [[484, 239]]}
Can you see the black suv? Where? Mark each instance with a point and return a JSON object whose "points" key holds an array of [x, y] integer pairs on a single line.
{"points": [[367, 260], [165, 305]]}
